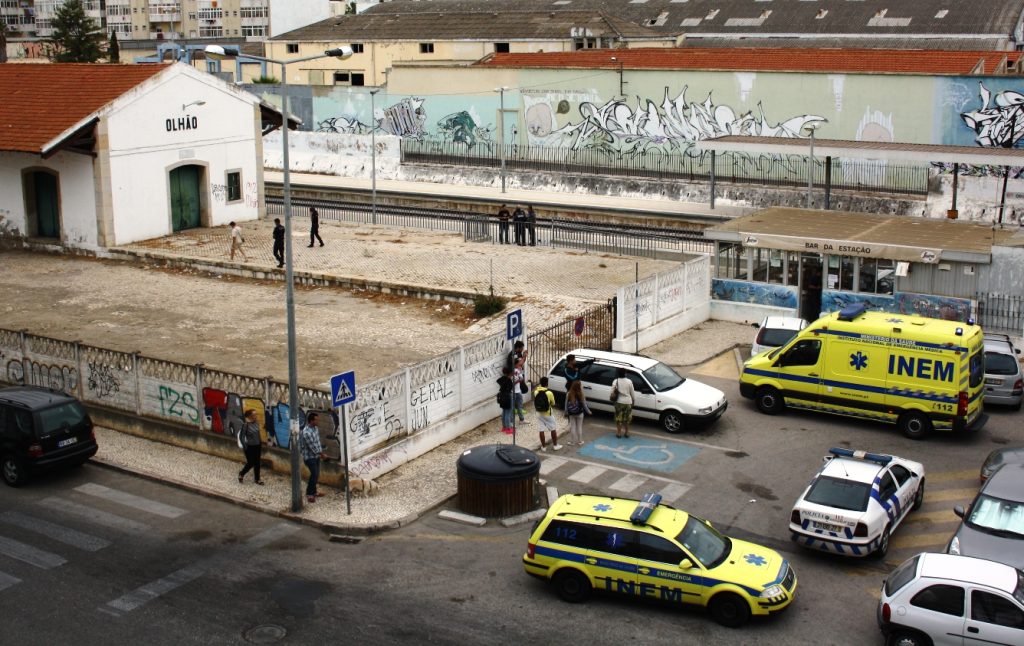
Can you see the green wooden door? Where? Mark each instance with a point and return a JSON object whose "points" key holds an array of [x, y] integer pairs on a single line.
{"points": [[47, 215], [185, 198]]}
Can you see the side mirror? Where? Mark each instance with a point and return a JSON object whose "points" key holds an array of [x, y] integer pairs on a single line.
{"points": [[755, 325], [825, 459], [959, 511], [686, 564]]}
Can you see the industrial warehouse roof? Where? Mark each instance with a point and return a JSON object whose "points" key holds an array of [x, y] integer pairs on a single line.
{"points": [[852, 61], [42, 100], [903, 237], [920, 24]]}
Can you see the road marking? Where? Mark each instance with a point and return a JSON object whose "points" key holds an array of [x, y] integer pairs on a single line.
{"points": [[669, 438], [875, 592], [944, 516], [586, 474], [96, 516], [131, 500], [6, 581], [31, 555], [920, 540], [628, 482], [945, 476], [950, 494], [547, 465], [146, 593], [673, 492], [57, 532], [619, 469]]}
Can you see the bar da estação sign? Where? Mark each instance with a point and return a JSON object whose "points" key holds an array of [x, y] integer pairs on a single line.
{"points": [[842, 247]]}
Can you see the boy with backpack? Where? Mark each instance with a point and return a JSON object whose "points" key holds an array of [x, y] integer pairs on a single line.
{"points": [[544, 402]]}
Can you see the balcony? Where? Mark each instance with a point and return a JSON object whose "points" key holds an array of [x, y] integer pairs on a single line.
{"points": [[210, 14], [168, 16], [164, 35], [262, 21]]}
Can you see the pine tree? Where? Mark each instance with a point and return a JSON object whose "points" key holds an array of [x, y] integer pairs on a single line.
{"points": [[113, 49], [76, 37]]}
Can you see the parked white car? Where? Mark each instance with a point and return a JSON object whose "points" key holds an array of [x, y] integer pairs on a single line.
{"points": [[774, 332], [661, 393], [855, 502], [942, 599]]}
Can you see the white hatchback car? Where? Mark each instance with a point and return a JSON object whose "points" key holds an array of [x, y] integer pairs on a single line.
{"points": [[942, 599], [661, 393], [774, 332], [855, 502]]}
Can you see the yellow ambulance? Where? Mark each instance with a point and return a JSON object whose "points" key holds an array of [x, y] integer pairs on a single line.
{"points": [[919, 373]]}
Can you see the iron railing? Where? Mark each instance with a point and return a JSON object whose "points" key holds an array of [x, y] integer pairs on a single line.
{"points": [[594, 328], [768, 170], [1000, 312]]}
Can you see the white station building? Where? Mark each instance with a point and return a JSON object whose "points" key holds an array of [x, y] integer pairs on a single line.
{"points": [[99, 155]]}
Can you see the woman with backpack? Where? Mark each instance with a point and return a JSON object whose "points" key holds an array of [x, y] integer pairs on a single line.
{"points": [[576, 407], [505, 385]]}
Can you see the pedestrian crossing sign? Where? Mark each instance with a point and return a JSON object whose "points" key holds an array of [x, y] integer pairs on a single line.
{"points": [[343, 388]]}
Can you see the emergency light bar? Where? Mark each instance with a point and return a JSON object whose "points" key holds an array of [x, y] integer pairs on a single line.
{"points": [[861, 455], [852, 311], [645, 508]]}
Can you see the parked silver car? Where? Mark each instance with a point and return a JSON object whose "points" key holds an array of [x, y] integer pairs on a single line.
{"points": [[993, 524], [1004, 383]]}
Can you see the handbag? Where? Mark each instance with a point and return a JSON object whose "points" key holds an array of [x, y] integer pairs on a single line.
{"points": [[523, 388], [615, 392]]}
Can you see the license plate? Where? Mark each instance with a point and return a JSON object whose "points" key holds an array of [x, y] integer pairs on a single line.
{"points": [[828, 527], [68, 442], [992, 381]]}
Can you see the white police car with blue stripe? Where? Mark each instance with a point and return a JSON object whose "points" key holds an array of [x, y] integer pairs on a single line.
{"points": [[855, 502]]}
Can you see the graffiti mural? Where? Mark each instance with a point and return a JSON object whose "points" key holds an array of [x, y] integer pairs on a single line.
{"points": [[102, 380], [938, 307], [460, 128], [616, 127], [343, 125], [38, 374], [1000, 120], [741, 291]]}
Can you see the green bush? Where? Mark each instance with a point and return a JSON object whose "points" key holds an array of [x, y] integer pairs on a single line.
{"points": [[488, 304]]}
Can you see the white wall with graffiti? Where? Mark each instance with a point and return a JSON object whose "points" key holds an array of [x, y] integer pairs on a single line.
{"points": [[663, 305], [342, 154]]}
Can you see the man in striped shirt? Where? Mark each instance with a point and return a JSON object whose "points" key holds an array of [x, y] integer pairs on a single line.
{"points": [[312, 451]]}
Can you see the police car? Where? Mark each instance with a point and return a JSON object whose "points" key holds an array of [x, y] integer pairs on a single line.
{"points": [[855, 502], [653, 551]]}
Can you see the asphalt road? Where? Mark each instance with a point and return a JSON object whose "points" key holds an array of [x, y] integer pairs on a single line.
{"points": [[102, 557]]}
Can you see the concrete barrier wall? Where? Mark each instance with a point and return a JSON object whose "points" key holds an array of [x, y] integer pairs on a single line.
{"points": [[662, 305]]}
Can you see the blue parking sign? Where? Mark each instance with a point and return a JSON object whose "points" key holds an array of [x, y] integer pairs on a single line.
{"points": [[343, 388], [514, 324]]}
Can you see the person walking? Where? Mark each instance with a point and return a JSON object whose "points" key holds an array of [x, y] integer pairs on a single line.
{"points": [[519, 222], [279, 242], [505, 399], [503, 220], [312, 452], [531, 225], [252, 444], [314, 226], [622, 396], [544, 403], [236, 241], [575, 408]]}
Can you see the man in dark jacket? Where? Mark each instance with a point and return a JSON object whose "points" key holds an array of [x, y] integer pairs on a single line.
{"points": [[519, 223], [279, 242], [314, 226]]}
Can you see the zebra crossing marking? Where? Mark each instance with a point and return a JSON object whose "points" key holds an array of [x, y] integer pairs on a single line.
{"points": [[943, 516], [31, 555], [131, 500], [586, 474], [674, 491], [547, 465], [946, 495], [945, 476], [628, 482], [59, 533], [97, 516], [6, 580]]}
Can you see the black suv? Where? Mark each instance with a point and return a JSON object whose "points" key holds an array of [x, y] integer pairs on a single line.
{"points": [[41, 429]]}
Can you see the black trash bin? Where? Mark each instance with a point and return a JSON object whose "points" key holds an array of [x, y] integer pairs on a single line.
{"points": [[498, 480]]}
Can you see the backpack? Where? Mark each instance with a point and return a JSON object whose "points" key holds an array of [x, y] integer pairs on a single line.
{"points": [[504, 398], [540, 400], [573, 407]]}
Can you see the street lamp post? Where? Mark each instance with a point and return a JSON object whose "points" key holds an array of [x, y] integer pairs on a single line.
{"points": [[217, 52], [810, 164], [501, 139], [622, 92], [373, 155]]}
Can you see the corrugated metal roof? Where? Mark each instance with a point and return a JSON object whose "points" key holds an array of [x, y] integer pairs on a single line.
{"points": [[877, 61], [41, 101]]}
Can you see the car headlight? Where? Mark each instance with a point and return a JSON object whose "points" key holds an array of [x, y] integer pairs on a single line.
{"points": [[954, 546], [706, 410], [773, 591]]}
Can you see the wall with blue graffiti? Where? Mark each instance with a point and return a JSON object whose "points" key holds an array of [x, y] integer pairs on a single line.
{"points": [[939, 307], [742, 291]]}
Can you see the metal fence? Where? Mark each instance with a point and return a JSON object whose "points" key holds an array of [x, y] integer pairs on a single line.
{"points": [[740, 168], [585, 235], [594, 328], [1000, 312]]}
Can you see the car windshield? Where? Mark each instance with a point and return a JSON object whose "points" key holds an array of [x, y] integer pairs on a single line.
{"points": [[662, 378], [1000, 364], [775, 336], [705, 543], [998, 516], [53, 419], [1018, 593], [841, 494]]}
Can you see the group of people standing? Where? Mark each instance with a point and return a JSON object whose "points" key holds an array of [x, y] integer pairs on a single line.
{"points": [[237, 240], [524, 225]]}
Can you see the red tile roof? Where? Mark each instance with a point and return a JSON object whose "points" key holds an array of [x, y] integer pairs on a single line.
{"points": [[749, 59], [38, 101]]}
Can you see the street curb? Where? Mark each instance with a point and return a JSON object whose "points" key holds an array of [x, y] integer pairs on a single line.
{"points": [[739, 359], [329, 527]]}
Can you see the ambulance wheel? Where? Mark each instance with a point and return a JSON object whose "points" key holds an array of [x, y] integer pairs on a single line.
{"points": [[916, 426], [919, 496], [571, 585], [883, 545], [769, 401], [729, 610]]}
